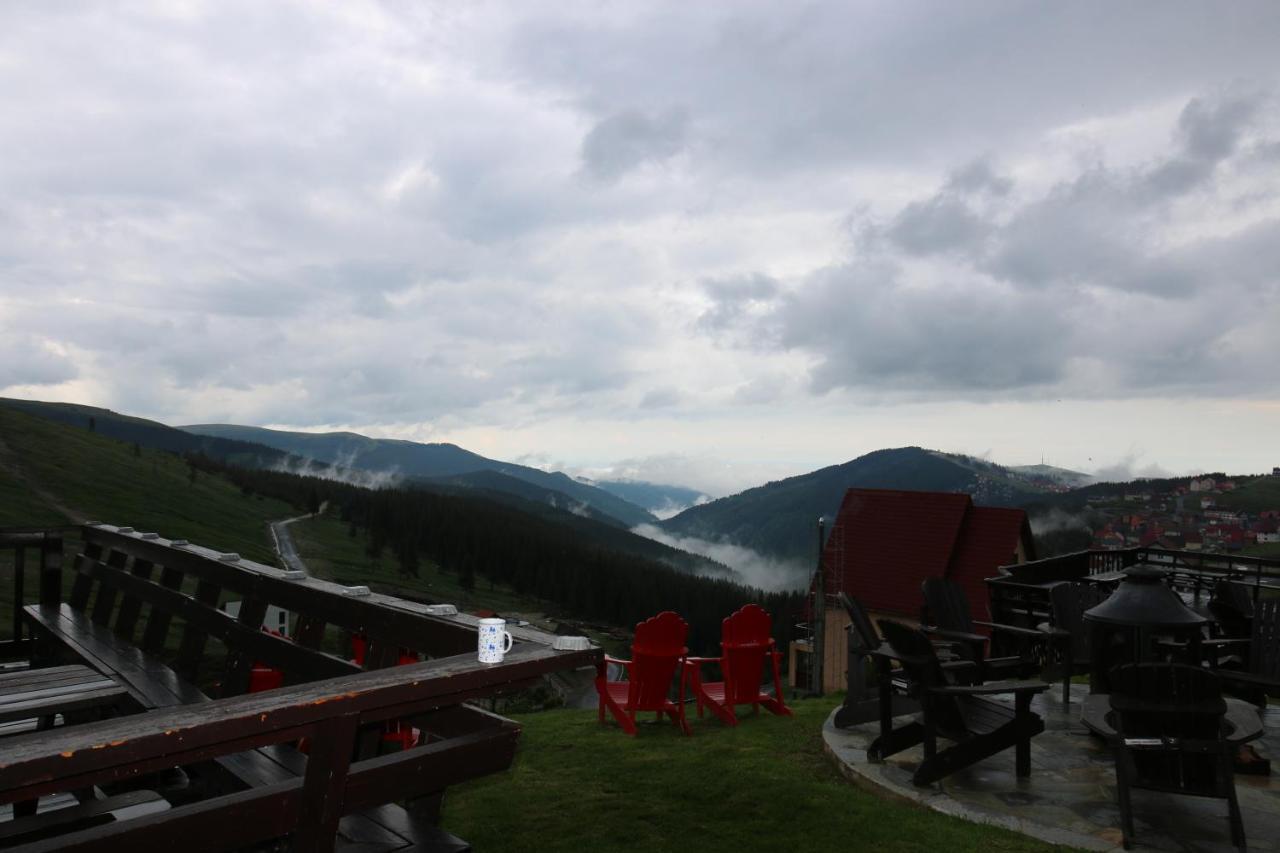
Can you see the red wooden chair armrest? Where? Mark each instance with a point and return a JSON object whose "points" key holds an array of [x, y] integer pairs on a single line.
{"points": [[611, 659]]}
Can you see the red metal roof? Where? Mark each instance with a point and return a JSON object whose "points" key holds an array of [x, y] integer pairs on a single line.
{"points": [[885, 542], [988, 539]]}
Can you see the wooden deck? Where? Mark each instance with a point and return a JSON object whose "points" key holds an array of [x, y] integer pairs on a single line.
{"points": [[310, 762]]}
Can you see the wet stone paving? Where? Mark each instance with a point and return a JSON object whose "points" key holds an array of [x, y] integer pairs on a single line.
{"points": [[1070, 797]]}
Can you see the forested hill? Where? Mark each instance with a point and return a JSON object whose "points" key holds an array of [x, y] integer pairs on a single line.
{"points": [[416, 459], [476, 539], [52, 474], [779, 519], [147, 433]]}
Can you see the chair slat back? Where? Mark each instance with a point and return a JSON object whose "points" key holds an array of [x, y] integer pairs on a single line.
{"points": [[1176, 702], [1264, 652], [947, 605], [744, 642], [919, 661], [1069, 602], [658, 648], [1232, 607], [864, 631]]}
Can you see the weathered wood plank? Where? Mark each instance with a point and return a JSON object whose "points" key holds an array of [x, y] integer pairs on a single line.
{"points": [[157, 630], [150, 682], [51, 570], [239, 662], [76, 817], [316, 598], [324, 783], [105, 602], [223, 823], [303, 663], [194, 635], [178, 735], [82, 585], [131, 606]]}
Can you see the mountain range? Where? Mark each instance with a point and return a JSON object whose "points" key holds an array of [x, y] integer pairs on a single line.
{"points": [[779, 519], [436, 461], [776, 520]]}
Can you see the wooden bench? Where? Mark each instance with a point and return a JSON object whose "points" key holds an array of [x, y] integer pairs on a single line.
{"points": [[143, 610], [306, 802]]}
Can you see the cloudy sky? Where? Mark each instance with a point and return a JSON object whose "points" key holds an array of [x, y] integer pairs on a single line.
{"points": [[704, 243]]}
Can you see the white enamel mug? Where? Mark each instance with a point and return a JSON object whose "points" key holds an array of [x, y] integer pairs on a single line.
{"points": [[492, 645]]}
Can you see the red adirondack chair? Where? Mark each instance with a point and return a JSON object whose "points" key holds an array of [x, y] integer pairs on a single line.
{"points": [[744, 646], [658, 651]]}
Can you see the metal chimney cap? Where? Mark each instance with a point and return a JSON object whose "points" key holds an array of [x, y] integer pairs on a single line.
{"points": [[1144, 600]]}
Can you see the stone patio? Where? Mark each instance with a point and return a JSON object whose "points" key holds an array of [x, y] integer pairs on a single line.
{"points": [[1070, 797]]}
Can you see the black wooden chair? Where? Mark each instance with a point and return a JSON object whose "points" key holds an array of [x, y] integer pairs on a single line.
{"points": [[947, 609], [1232, 608], [978, 726], [1170, 735], [1261, 676], [862, 699], [1069, 635]]}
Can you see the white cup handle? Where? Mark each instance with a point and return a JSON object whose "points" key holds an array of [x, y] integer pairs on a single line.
{"points": [[510, 642]]}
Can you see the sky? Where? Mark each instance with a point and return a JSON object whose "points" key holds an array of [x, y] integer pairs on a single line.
{"points": [[710, 244]]}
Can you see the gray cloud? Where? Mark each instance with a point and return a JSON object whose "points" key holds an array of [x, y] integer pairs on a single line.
{"points": [[979, 176], [733, 298], [871, 330], [26, 360], [622, 141], [939, 224], [1076, 290], [487, 217]]}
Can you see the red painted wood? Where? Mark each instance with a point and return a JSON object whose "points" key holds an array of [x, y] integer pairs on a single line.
{"points": [[745, 647], [657, 653]]}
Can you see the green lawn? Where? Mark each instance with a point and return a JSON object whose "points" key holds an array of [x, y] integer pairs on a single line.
{"points": [[766, 785]]}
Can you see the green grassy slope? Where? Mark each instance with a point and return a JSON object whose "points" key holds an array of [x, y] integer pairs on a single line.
{"points": [[21, 507], [45, 465], [1254, 495], [149, 433], [766, 785]]}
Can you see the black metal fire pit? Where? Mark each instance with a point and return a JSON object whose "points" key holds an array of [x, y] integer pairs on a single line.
{"points": [[1142, 610]]}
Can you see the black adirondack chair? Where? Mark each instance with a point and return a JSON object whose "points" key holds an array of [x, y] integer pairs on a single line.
{"points": [[978, 726], [949, 619], [1170, 732], [1069, 634], [1261, 675], [1232, 608], [861, 699]]}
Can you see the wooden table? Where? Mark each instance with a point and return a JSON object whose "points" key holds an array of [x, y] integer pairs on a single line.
{"points": [[43, 693]]}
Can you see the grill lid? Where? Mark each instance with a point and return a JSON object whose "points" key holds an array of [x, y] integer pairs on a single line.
{"points": [[1144, 600]]}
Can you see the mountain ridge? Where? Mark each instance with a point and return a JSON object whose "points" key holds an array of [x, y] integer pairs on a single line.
{"points": [[414, 459], [778, 519]]}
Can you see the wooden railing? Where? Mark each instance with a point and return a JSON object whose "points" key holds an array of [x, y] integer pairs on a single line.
{"points": [[145, 611], [45, 550], [1019, 595], [308, 805]]}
